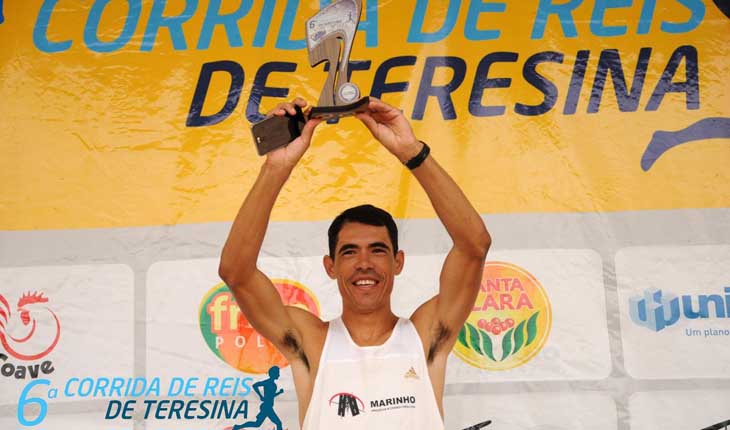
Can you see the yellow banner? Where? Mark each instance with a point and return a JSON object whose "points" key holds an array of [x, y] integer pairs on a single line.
{"points": [[129, 112]]}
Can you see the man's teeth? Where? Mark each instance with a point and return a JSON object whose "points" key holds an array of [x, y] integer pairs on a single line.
{"points": [[365, 282]]}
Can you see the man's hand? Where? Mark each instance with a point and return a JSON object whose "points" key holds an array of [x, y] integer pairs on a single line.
{"points": [[391, 128], [288, 156]]}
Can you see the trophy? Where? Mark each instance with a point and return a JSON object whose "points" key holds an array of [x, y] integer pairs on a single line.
{"points": [[330, 34]]}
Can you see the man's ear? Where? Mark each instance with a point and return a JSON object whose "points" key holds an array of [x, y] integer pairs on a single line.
{"points": [[400, 260], [329, 266]]}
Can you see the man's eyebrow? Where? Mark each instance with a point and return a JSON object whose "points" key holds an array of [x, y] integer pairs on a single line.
{"points": [[379, 245], [347, 247], [374, 245]]}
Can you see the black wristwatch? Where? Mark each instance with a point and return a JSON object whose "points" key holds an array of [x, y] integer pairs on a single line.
{"points": [[418, 158]]}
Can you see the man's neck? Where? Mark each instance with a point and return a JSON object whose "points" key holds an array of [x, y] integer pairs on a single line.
{"points": [[369, 329]]}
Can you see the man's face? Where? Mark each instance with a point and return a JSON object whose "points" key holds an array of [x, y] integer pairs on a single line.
{"points": [[364, 266]]}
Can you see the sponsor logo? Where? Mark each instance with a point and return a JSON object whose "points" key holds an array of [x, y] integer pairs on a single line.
{"points": [[267, 390], [510, 321], [231, 337], [347, 404], [411, 374], [656, 310], [393, 403], [706, 128], [28, 334]]}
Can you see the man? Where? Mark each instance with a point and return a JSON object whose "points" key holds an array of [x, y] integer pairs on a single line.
{"points": [[367, 369]]}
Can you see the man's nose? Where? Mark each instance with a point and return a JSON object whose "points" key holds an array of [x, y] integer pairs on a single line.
{"points": [[364, 261]]}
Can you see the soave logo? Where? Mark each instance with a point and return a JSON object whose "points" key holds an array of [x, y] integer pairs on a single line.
{"points": [[27, 334], [32, 331]]}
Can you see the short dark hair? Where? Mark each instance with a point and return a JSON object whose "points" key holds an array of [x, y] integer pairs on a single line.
{"points": [[364, 214]]}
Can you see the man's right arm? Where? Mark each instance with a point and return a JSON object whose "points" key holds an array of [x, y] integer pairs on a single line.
{"points": [[255, 293], [256, 387]]}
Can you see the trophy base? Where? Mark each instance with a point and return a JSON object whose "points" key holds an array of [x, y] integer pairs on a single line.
{"points": [[328, 112]]}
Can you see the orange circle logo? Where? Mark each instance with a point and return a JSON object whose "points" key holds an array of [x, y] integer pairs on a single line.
{"points": [[510, 321], [231, 337]]}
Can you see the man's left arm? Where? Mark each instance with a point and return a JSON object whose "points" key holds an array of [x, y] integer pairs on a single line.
{"points": [[439, 319]]}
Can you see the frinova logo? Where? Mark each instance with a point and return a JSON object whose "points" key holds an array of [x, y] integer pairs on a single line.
{"points": [[233, 339], [657, 310]]}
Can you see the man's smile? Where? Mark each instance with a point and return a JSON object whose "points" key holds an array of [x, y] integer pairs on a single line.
{"points": [[365, 281]]}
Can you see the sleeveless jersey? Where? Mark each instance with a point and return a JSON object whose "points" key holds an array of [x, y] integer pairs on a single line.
{"points": [[384, 387]]}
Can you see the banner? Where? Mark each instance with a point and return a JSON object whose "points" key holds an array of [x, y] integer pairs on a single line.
{"points": [[591, 135], [122, 113]]}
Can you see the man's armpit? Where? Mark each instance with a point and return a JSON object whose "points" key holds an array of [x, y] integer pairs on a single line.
{"points": [[293, 346], [440, 337]]}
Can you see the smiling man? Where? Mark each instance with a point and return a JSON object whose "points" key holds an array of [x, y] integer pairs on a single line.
{"points": [[369, 368]]}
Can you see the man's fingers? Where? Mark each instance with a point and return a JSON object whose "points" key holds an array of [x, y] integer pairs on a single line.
{"points": [[290, 106], [277, 111], [281, 109], [376, 105], [368, 120], [287, 107], [308, 129]]}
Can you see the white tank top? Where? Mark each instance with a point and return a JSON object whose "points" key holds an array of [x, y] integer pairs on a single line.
{"points": [[384, 387]]}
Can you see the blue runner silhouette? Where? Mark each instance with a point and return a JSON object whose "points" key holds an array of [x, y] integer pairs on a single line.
{"points": [[266, 409]]}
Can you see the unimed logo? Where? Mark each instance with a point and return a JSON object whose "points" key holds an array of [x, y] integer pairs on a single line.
{"points": [[657, 310], [510, 321], [231, 337]]}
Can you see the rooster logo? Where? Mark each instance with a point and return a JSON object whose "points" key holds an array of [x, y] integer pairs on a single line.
{"points": [[37, 329]]}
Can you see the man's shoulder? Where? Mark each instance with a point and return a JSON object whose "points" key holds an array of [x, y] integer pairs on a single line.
{"points": [[423, 317], [307, 322]]}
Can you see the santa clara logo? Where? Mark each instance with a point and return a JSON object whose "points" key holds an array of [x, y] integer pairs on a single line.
{"points": [[510, 321], [229, 335], [32, 331]]}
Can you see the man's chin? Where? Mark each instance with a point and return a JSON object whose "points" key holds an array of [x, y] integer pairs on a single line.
{"points": [[367, 307], [365, 301]]}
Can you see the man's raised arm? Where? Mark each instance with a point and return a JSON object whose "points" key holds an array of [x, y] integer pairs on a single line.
{"points": [[440, 319], [256, 295]]}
